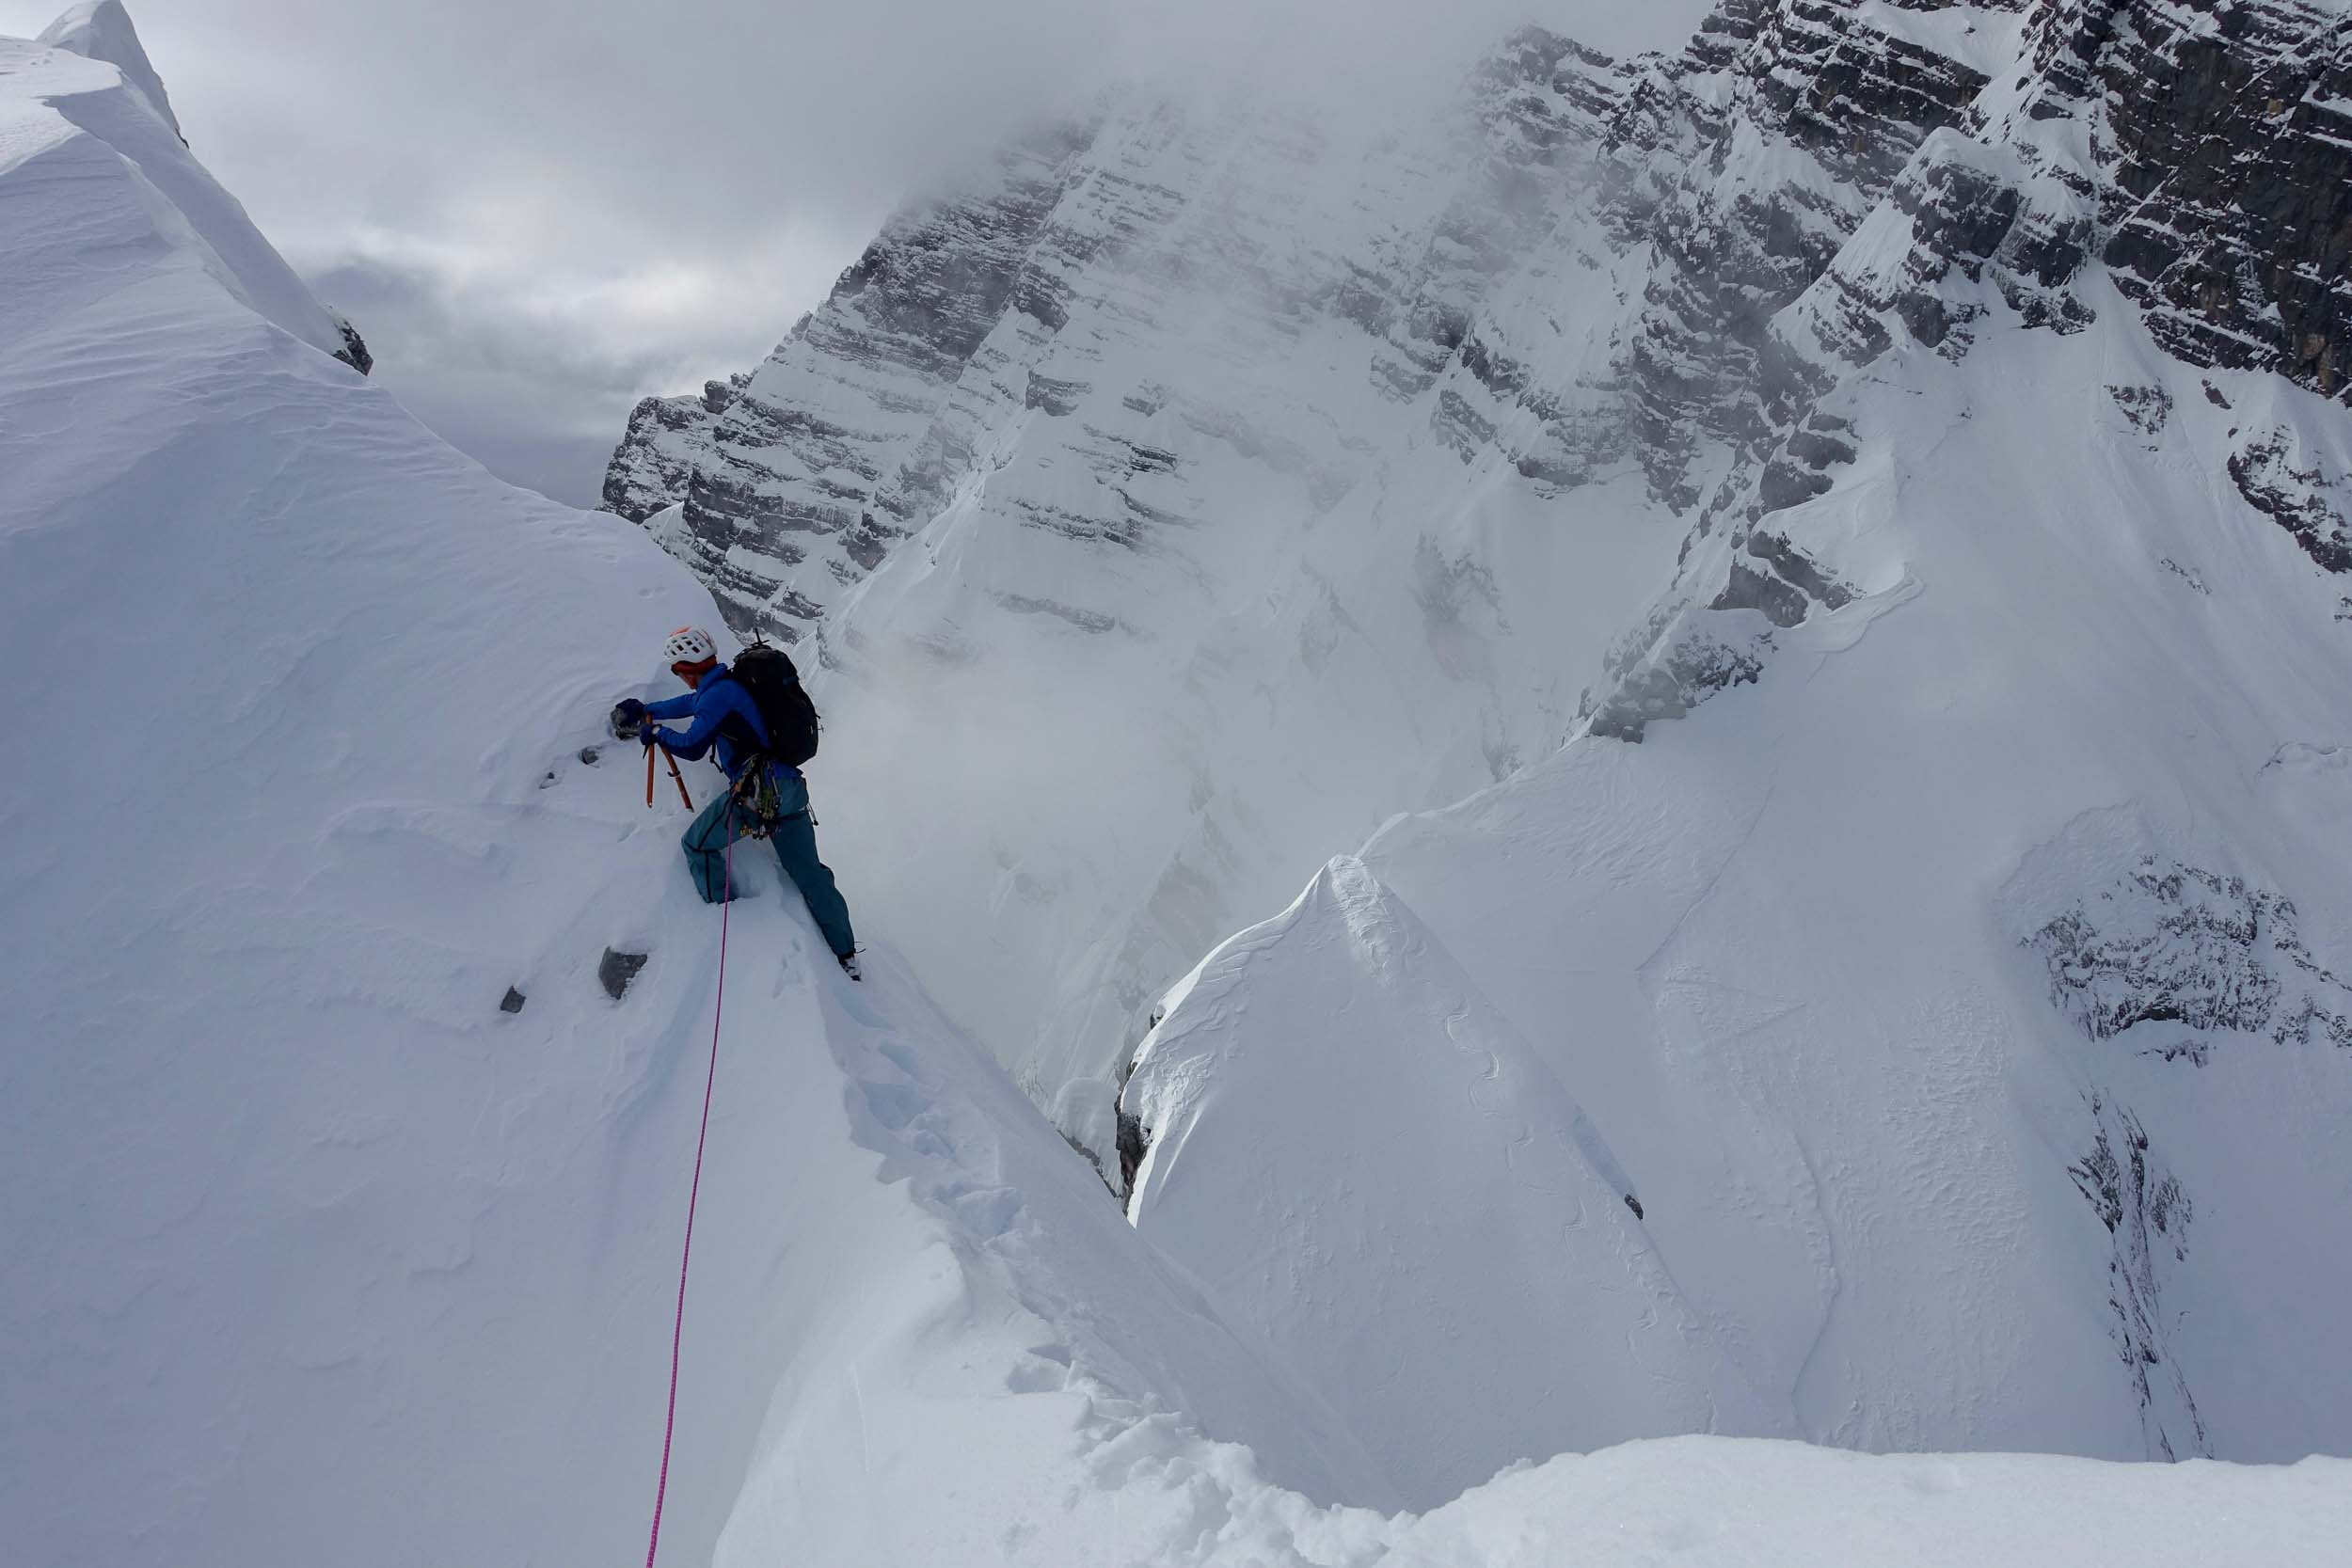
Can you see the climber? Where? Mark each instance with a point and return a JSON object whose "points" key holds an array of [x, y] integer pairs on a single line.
{"points": [[768, 795]]}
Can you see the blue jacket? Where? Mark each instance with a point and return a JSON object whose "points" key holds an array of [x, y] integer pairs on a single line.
{"points": [[718, 698]]}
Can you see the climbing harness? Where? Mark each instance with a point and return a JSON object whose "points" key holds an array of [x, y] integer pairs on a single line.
{"points": [[759, 805], [693, 1194]]}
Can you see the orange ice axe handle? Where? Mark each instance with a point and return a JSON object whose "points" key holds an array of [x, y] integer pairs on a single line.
{"points": [[680, 779]]}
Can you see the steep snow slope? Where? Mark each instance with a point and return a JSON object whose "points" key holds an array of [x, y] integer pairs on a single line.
{"points": [[172, 194], [1966, 1001], [314, 1253]]}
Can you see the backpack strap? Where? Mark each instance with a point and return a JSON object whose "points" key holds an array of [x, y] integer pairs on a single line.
{"points": [[736, 727]]}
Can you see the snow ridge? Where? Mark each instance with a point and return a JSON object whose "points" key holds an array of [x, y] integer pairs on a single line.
{"points": [[101, 30], [341, 1190]]}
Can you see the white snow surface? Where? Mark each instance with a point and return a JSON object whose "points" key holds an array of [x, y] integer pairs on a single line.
{"points": [[101, 30], [314, 1254], [1783, 973], [89, 129]]}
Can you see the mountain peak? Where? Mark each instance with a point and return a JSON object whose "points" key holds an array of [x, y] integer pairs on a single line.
{"points": [[102, 30]]}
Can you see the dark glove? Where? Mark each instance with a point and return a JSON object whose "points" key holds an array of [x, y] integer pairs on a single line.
{"points": [[649, 735], [628, 719]]}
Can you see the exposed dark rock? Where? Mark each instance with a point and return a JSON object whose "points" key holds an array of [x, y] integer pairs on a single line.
{"points": [[1132, 1145], [2146, 407], [2148, 1215], [1783, 485], [1749, 589], [1821, 441], [354, 350], [2226, 142], [1799, 569], [2304, 501], [1696, 665], [616, 970], [512, 1001], [1055, 397], [2177, 945], [2192, 579]]}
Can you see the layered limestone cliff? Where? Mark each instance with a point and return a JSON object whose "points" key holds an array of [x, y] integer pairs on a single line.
{"points": [[1302, 471]]}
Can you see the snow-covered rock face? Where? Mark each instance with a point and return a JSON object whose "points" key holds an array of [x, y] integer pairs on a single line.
{"points": [[1962, 988], [356, 1012], [1211, 480]]}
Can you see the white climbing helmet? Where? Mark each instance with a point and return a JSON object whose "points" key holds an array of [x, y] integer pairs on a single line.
{"points": [[690, 645]]}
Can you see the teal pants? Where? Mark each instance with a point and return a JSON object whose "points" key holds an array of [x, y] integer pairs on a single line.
{"points": [[795, 838]]}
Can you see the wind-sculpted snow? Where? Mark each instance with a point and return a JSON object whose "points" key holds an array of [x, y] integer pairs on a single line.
{"points": [[87, 109], [101, 30]]}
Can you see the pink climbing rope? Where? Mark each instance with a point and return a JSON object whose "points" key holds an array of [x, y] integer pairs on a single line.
{"points": [[677, 1329]]}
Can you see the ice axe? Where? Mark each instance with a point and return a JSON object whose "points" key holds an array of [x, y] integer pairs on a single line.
{"points": [[630, 724], [675, 777]]}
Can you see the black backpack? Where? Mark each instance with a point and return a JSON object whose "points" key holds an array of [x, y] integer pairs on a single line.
{"points": [[767, 673]]}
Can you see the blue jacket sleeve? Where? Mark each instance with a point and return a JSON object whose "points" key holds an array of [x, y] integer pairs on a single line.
{"points": [[678, 707], [710, 704]]}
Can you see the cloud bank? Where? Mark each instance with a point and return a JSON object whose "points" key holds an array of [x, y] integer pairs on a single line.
{"points": [[540, 210]]}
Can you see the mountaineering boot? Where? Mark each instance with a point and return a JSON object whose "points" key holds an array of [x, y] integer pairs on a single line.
{"points": [[848, 965]]}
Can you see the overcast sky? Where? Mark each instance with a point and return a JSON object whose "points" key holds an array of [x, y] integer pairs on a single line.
{"points": [[538, 211]]}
